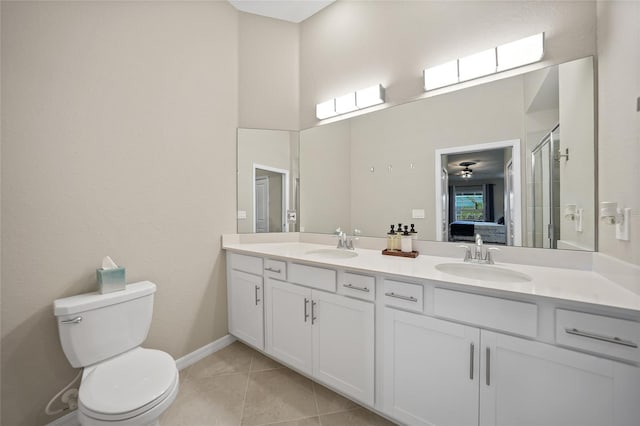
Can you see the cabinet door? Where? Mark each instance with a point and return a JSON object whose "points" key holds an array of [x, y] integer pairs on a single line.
{"points": [[431, 370], [343, 344], [288, 323], [531, 383], [246, 308]]}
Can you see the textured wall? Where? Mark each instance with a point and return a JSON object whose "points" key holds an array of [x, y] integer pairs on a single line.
{"points": [[118, 137]]}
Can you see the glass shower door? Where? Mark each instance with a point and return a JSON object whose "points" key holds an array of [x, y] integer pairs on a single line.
{"points": [[546, 191]]}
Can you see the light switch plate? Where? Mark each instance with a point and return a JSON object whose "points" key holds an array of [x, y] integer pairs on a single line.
{"points": [[417, 214]]}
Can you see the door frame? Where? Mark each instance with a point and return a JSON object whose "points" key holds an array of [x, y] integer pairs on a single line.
{"points": [[285, 193], [514, 144]]}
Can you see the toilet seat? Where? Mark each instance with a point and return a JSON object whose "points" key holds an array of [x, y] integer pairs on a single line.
{"points": [[128, 385]]}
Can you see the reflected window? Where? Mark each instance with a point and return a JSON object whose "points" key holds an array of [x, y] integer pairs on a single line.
{"points": [[469, 203]]}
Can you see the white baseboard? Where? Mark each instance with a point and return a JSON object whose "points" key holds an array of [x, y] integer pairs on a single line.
{"points": [[71, 419], [205, 351]]}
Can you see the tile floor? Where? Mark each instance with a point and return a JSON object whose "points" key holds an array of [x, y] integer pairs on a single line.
{"points": [[239, 386]]}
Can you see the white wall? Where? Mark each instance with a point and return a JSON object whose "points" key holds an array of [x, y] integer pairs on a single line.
{"points": [[619, 121], [576, 92], [118, 138], [268, 89], [325, 176], [354, 44]]}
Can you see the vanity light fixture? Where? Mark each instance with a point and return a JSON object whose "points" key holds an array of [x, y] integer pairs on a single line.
{"points": [[359, 99], [611, 214], [504, 57], [326, 109]]}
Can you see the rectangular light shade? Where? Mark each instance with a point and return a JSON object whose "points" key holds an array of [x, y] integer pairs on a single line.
{"points": [[477, 65], [346, 103], [326, 109], [520, 52], [441, 75], [370, 96]]}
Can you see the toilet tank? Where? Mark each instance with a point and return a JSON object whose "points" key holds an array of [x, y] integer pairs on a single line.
{"points": [[94, 326]]}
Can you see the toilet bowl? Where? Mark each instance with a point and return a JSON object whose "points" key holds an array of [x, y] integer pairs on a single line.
{"points": [[122, 383]]}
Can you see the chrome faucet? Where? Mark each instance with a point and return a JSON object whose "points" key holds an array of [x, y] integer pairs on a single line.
{"points": [[344, 242], [479, 254]]}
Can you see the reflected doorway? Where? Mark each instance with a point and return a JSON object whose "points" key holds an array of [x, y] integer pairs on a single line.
{"points": [[270, 199]]}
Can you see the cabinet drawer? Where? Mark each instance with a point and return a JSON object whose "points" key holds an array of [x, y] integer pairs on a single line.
{"points": [[242, 262], [356, 285], [275, 269], [312, 276], [485, 311], [403, 295], [604, 335]]}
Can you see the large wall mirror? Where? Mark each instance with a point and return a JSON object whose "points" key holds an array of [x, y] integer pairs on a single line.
{"points": [[268, 180], [512, 160]]}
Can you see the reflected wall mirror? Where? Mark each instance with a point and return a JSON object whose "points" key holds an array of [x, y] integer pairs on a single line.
{"points": [[387, 166]]}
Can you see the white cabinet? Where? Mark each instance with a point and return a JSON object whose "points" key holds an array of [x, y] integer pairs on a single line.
{"points": [[246, 307], [328, 336], [343, 344], [531, 383], [431, 370], [288, 323], [438, 372]]}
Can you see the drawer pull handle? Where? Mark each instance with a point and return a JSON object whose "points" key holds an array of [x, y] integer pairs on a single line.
{"points": [[399, 296], [75, 320], [270, 269], [616, 340], [351, 286]]}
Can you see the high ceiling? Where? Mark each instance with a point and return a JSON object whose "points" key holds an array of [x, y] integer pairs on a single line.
{"points": [[287, 10]]}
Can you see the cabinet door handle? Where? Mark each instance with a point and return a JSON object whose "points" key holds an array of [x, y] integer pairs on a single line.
{"points": [[313, 312], [257, 290], [270, 269], [471, 353], [399, 296], [351, 286], [488, 367], [306, 313], [616, 340]]}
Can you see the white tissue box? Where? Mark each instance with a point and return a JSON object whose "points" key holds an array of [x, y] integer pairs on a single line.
{"points": [[110, 280]]}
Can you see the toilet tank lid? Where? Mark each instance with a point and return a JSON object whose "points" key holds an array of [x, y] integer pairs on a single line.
{"points": [[87, 301]]}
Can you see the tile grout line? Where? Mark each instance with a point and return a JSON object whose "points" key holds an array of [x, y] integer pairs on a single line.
{"points": [[246, 389], [315, 399]]}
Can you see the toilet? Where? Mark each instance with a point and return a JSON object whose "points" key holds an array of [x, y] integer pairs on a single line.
{"points": [[122, 383]]}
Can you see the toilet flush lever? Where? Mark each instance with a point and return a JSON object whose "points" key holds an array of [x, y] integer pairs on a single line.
{"points": [[75, 320]]}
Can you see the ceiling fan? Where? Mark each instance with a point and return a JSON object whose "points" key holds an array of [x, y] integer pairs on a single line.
{"points": [[467, 172]]}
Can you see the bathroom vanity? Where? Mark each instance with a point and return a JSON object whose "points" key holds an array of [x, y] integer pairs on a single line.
{"points": [[432, 341]]}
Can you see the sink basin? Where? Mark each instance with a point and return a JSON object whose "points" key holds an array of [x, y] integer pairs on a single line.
{"points": [[331, 253], [483, 272]]}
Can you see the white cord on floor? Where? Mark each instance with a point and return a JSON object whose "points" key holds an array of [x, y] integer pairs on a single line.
{"points": [[48, 408]]}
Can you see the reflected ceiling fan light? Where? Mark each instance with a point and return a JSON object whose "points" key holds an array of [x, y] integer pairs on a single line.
{"points": [[467, 172], [520, 52]]}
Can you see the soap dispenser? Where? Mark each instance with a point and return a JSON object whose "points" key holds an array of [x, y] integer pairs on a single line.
{"points": [[413, 232], [391, 239], [406, 246]]}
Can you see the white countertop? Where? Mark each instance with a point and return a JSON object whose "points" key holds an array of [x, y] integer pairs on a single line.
{"points": [[567, 284]]}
